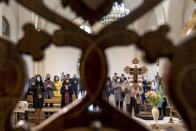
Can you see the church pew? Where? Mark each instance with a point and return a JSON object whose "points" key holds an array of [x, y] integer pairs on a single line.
{"points": [[45, 109]]}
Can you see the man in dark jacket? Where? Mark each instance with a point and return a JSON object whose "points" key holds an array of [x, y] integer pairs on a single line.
{"points": [[49, 94], [75, 82], [66, 93], [164, 106], [49, 87], [122, 78]]}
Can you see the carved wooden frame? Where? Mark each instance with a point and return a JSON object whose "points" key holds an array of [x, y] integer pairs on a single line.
{"points": [[94, 67]]}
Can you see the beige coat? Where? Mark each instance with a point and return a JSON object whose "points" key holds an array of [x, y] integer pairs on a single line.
{"points": [[127, 88]]}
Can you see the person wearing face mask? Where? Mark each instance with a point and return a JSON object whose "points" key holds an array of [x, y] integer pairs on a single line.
{"points": [[75, 83], [37, 89], [66, 93], [123, 78], [127, 95], [58, 85], [118, 94], [135, 102], [107, 89], [49, 94], [67, 76], [49, 86], [62, 77], [113, 82]]}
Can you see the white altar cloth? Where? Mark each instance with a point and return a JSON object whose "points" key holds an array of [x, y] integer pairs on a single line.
{"points": [[163, 125]]}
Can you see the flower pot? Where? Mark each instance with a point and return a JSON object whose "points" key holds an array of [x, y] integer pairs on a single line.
{"points": [[155, 114]]}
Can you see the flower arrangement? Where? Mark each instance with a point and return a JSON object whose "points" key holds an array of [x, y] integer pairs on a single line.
{"points": [[153, 97]]}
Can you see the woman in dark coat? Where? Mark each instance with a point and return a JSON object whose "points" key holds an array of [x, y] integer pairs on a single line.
{"points": [[107, 89], [82, 89], [38, 97], [66, 93], [164, 106]]}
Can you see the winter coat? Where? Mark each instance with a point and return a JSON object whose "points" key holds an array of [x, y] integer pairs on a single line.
{"points": [[118, 92], [74, 83], [37, 90], [127, 93], [62, 91], [58, 85], [49, 88], [107, 89]]}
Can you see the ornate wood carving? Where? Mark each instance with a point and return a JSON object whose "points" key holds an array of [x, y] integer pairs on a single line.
{"points": [[12, 75], [35, 44], [94, 68], [182, 80], [86, 8]]}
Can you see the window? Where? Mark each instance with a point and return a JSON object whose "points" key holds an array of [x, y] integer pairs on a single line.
{"points": [[5, 27]]}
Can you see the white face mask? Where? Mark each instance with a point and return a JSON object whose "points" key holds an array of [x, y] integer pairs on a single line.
{"points": [[38, 79]]}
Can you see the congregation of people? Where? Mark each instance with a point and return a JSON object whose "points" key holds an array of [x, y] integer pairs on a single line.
{"points": [[63, 86], [132, 95], [124, 92]]}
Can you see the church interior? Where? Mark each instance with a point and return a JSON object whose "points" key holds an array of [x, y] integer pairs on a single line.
{"points": [[76, 72]]}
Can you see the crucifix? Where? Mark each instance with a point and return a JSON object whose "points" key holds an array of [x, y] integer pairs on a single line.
{"points": [[136, 71]]}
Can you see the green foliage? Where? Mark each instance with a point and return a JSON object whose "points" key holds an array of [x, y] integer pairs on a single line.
{"points": [[153, 97]]}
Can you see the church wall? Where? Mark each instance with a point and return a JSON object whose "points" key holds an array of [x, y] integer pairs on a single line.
{"points": [[26, 17], [166, 12], [118, 58], [165, 5], [175, 20], [149, 22], [11, 14], [189, 7], [59, 60], [16, 21]]}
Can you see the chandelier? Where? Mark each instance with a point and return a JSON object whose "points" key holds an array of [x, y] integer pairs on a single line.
{"points": [[117, 11], [86, 27]]}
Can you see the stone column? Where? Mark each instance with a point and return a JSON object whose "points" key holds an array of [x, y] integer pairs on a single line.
{"points": [[1, 14]]}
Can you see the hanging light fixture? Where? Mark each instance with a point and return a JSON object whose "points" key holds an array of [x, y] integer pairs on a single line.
{"points": [[118, 11], [86, 27], [83, 24]]}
